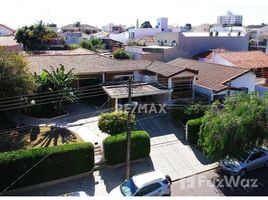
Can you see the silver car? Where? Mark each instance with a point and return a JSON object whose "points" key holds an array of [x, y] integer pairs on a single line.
{"points": [[254, 159]]}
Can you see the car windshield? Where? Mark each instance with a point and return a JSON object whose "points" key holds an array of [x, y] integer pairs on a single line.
{"points": [[244, 156], [128, 188]]}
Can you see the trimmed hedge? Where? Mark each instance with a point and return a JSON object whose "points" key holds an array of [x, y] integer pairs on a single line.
{"points": [[193, 129], [115, 147], [115, 122], [56, 162]]}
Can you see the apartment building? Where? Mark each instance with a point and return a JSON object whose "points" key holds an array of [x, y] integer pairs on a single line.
{"points": [[230, 19]]}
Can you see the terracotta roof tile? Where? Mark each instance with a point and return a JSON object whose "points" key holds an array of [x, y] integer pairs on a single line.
{"points": [[210, 76], [247, 59]]}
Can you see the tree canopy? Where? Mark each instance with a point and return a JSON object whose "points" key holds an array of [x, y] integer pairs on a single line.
{"points": [[146, 24], [35, 37], [234, 127], [121, 54], [92, 44], [15, 78]]}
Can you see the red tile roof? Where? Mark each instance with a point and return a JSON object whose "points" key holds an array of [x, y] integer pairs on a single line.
{"points": [[210, 76], [247, 59]]}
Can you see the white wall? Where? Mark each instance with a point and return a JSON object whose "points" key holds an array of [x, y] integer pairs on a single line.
{"points": [[141, 32], [247, 80]]}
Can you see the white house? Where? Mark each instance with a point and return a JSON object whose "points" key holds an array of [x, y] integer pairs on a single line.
{"points": [[6, 31]]}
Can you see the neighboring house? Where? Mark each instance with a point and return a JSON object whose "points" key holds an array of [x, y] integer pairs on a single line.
{"points": [[191, 43], [160, 81], [253, 60], [72, 37], [153, 52], [113, 28], [218, 81], [84, 28], [10, 43], [259, 39], [6, 31]]}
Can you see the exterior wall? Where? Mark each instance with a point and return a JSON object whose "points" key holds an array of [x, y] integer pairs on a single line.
{"points": [[136, 33], [72, 38], [167, 39], [5, 31], [205, 91], [192, 45], [247, 80]]}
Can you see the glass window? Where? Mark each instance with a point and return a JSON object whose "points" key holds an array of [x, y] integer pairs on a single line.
{"points": [[148, 189]]}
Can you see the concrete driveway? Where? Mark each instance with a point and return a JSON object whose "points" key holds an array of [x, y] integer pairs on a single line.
{"points": [[170, 153]]}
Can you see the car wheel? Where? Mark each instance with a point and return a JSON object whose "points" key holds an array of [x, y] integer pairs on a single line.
{"points": [[242, 172]]}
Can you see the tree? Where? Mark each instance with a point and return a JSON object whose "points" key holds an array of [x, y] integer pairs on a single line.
{"points": [[146, 24], [121, 54], [93, 44], [188, 27], [15, 78], [115, 122], [35, 37], [235, 127], [57, 80]]}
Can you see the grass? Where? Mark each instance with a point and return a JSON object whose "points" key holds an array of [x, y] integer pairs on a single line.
{"points": [[37, 137]]}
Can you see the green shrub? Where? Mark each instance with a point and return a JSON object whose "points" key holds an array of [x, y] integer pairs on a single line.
{"points": [[115, 147], [115, 122], [189, 112], [54, 163], [121, 54], [193, 129]]}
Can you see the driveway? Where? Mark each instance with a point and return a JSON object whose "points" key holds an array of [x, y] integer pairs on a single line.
{"points": [[170, 153]]}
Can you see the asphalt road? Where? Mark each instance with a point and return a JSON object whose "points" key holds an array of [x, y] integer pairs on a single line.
{"points": [[218, 183]]}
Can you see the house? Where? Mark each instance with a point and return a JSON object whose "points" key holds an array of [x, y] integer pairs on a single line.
{"points": [[10, 43], [159, 81], [259, 39], [113, 28], [6, 31], [189, 44], [254, 60], [92, 67], [217, 81], [77, 27]]}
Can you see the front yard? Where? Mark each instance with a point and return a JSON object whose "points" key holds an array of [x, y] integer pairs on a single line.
{"points": [[36, 137]]}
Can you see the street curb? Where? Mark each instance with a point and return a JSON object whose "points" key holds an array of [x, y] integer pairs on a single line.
{"points": [[207, 170]]}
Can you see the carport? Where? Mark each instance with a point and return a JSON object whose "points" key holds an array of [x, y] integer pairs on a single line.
{"points": [[116, 92]]}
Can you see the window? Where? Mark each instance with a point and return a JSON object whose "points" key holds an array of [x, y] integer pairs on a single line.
{"points": [[148, 189], [256, 156]]}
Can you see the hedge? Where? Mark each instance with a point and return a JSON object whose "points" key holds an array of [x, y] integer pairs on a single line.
{"points": [[192, 130], [115, 122], [56, 162], [115, 147]]}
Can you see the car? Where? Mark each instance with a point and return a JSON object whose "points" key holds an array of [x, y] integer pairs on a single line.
{"points": [[251, 160], [152, 183], [76, 194]]}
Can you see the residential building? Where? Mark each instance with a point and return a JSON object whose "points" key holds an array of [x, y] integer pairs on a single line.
{"points": [[178, 79], [201, 28], [10, 43], [189, 44], [6, 31], [77, 27], [259, 39], [113, 28], [218, 81], [230, 19]]}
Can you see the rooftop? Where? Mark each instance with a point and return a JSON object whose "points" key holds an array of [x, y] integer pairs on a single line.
{"points": [[210, 76], [247, 59]]}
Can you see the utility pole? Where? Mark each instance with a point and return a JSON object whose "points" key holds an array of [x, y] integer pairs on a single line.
{"points": [[129, 129]]}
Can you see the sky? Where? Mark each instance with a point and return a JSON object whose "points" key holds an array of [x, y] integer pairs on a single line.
{"points": [[17, 13]]}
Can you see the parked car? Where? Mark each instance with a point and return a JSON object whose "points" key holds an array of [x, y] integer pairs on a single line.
{"points": [[147, 184], [251, 160]]}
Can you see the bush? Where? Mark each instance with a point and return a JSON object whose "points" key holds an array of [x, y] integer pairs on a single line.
{"points": [[193, 129], [115, 147], [56, 162], [115, 122], [121, 54], [189, 112]]}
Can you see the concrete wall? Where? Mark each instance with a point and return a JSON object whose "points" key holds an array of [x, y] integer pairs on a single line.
{"points": [[136, 33], [192, 45]]}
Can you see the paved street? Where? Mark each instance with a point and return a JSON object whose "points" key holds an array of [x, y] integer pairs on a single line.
{"points": [[218, 183]]}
